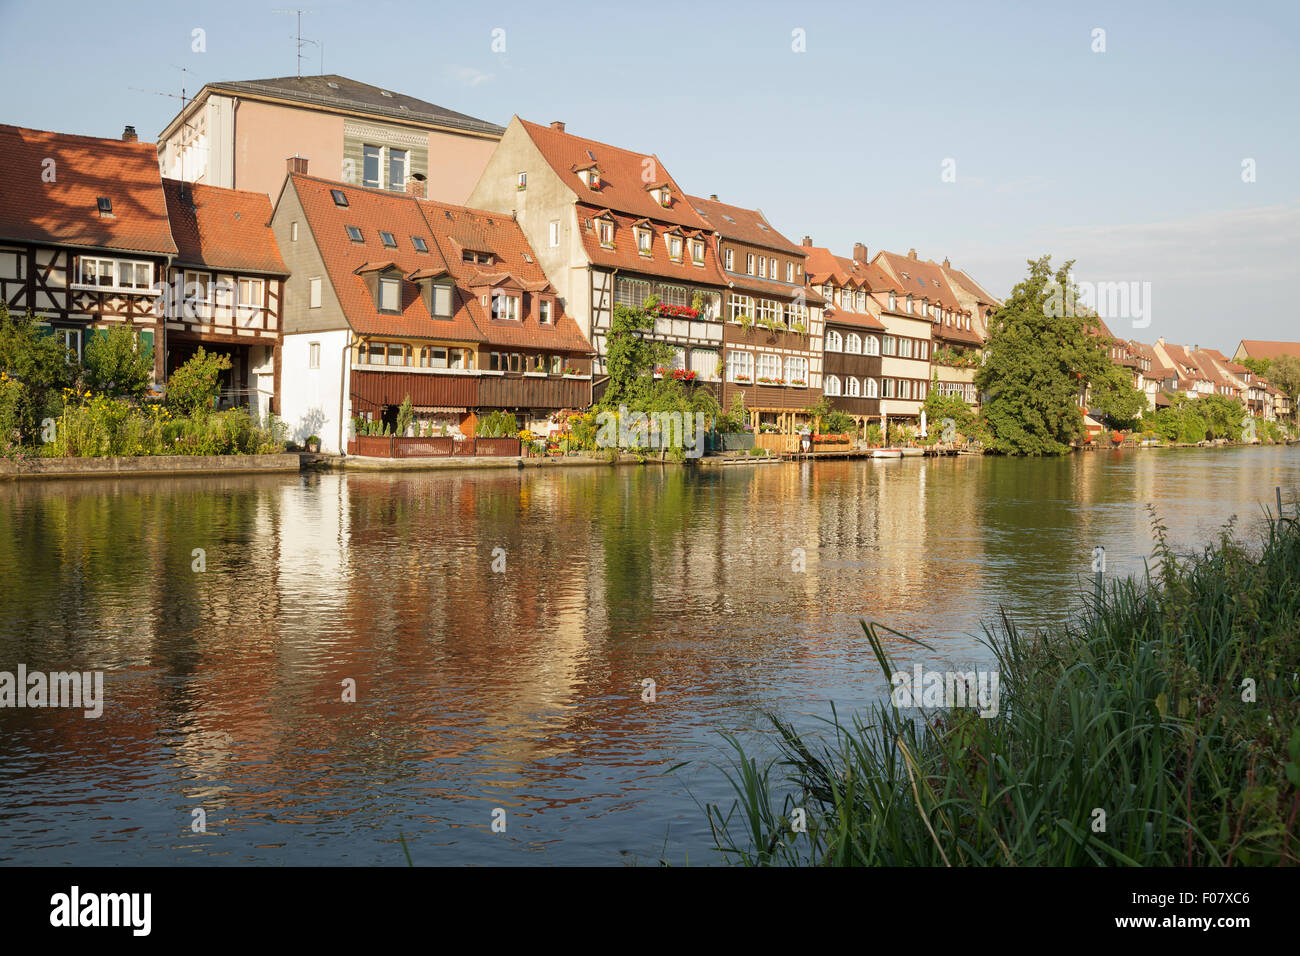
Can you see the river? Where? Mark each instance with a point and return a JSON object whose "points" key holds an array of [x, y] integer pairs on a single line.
{"points": [[499, 628]]}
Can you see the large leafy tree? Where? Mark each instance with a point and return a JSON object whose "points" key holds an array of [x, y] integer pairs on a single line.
{"points": [[1284, 372], [118, 363], [40, 364]]}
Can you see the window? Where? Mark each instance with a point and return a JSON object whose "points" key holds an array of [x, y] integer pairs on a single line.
{"points": [[354, 233], [893, 302], [730, 259], [888, 345], [762, 267], [741, 305], [834, 343], [678, 361], [789, 272], [249, 293], [767, 309], [796, 369], [555, 232], [853, 387], [740, 365], [769, 365], [872, 345], [606, 233], [922, 349], [672, 294], [771, 267], [198, 290], [505, 307], [293, 232], [833, 385], [105, 206], [909, 304], [388, 239], [886, 388], [862, 301], [904, 348], [114, 273], [313, 293], [396, 354], [557, 365], [873, 388], [521, 181], [516, 362], [370, 166], [749, 263], [397, 169], [544, 312], [674, 247], [697, 251], [853, 343], [339, 198], [420, 244], [390, 295], [441, 301], [630, 292], [643, 240], [704, 363], [313, 355]]}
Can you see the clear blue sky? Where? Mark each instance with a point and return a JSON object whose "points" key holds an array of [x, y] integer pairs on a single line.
{"points": [[1129, 161]]}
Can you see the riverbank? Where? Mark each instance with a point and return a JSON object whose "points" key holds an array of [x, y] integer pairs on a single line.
{"points": [[1160, 729], [147, 465]]}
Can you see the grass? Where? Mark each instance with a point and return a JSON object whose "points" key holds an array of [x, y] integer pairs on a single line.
{"points": [[1158, 729]]}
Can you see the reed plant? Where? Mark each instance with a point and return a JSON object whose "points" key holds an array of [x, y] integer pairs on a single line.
{"points": [[1158, 729]]}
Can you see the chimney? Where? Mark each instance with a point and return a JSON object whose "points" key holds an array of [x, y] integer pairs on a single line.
{"points": [[713, 197], [415, 186], [807, 241], [946, 263], [859, 252], [911, 254], [557, 126], [296, 164], [128, 135]]}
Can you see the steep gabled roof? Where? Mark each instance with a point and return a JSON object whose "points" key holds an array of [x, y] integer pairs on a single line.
{"points": [[749, 226], [623, 176], [225, 229], [1262, 349], [960, 278], [923, 279], [50, 184], [625, 256]]}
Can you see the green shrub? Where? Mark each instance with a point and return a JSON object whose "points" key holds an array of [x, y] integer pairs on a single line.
{"points": [[193, 387], [117, 363]]}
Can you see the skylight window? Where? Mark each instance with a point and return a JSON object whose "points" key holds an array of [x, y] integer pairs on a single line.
{"points": [[763, 226], [385, 93], [388, 239], [105, 206], [332, 85], [354, 233], [420, 244], [728, 218], [339, 198]]}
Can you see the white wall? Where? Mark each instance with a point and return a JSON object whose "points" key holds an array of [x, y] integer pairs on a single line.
{"points": [[310, 397]]}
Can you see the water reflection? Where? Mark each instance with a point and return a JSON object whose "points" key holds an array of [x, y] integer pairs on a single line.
{"points": [[736, 591]]}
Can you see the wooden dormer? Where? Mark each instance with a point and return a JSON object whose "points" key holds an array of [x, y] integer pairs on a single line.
{"points": [[438, 289], [386, 285]]}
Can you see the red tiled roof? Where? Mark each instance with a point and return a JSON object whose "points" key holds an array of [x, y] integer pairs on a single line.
{"points": [[625, 256], [222, 228], [445, 230], [1261, 349], [921, 279], [743, 225], [970, 285], [773, 287], [65, 210], [623, 182], [951, 333], [861, 320]]}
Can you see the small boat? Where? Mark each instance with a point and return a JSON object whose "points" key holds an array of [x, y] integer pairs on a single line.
{"points": [[887, 453], [1294, 441], [912, 452]]}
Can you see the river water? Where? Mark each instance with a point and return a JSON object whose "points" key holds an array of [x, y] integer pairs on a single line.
{"points": [[499, 629]]}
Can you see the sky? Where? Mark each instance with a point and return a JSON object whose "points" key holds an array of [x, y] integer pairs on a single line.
{"points": [[1165, 150]]}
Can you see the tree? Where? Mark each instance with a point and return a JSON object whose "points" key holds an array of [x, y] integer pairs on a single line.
{"points": [[631, 358], [192, 387], [941, 408], [1257, 365], [1036, 362], [1112, 395], [1284, 372], [117, 363], [41, 365]]}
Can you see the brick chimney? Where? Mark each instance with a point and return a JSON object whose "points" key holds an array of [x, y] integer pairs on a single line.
{"points": [[415, 186], [911, 254], [296, 164], [128, 135], [557, 126], [859, 252], [713, 197], [946, 263], [807, 241]]}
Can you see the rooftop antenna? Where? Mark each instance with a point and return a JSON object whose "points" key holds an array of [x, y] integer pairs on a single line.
{"points": [[320, 44], [185, 100], [299, 36]]}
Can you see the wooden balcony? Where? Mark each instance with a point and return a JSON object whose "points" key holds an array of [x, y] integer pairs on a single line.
{"points": [[772, 397], [390, 386]]}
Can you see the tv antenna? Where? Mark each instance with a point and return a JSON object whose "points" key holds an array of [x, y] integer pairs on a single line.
{"points": [[185, 101], [299, 37]]}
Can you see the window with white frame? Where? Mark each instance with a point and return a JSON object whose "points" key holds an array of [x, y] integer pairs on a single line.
{"points": [[441, 300], [249, 293], [730, 258], [697, 251], [704, 363], [313, 355], [771, 267], [678, 362], [606, 232], [910, 304], [554, 232], [862, 301], [888, 345], [922, 349], [766, 309], [769, 365], [873, 388], [644, 238], [740, 305], [893, 302], [853, 343], [390, 295], [672, 294], [397, 169], [762, 267], [749, 263], [796, 369], [674, 247], [313, 292], [872, 345], [832, 385], [630, 292], [505, 306], [740, 365], [114, 273], [370, 166], [789, 272], [886, 388], [544, 311], [834, 342], [904, 348], [853, 387]]}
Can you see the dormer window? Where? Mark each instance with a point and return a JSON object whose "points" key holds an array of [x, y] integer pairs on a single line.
{"points": [[893, 302], [662, 196], [605, 229], [697, 251], [478, 258], [590, 177], [390, 295], [909, 304], [544, 312], [505, 307], [644, 240], [674, 247]]}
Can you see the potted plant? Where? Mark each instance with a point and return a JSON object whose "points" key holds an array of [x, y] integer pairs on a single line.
{"points": [[313, 443]]}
